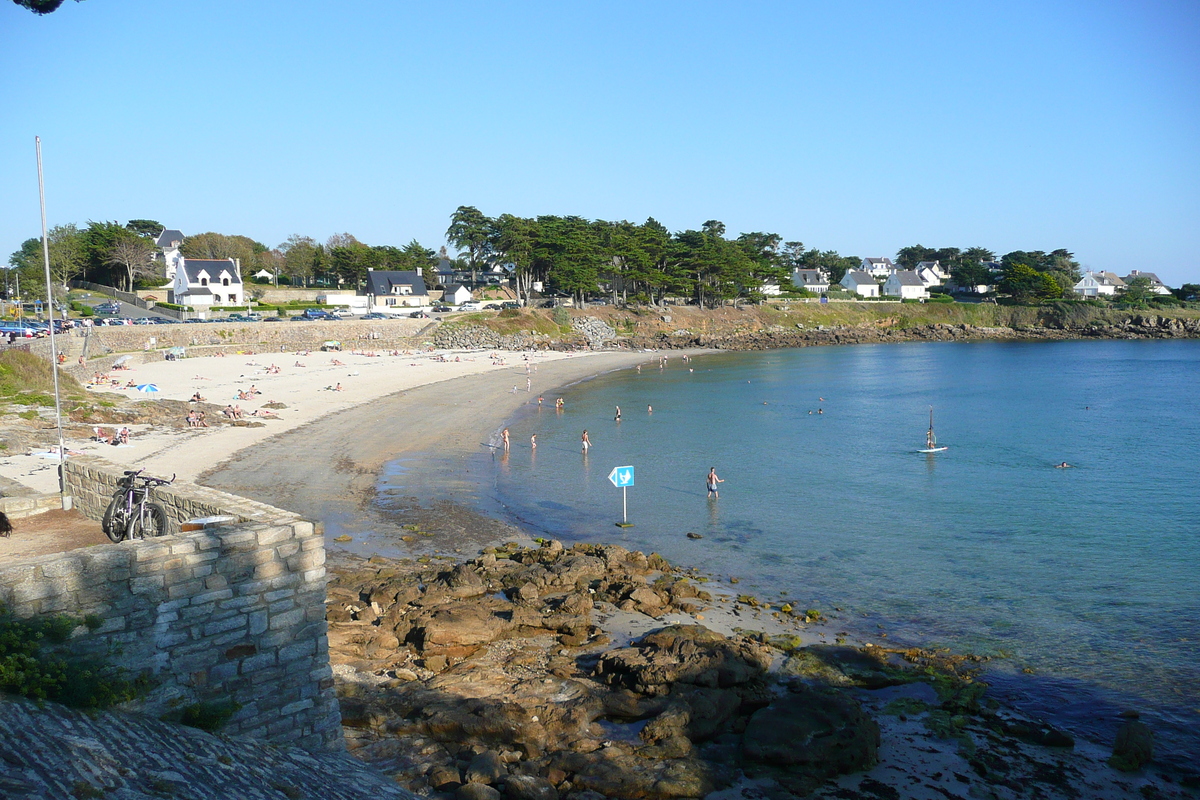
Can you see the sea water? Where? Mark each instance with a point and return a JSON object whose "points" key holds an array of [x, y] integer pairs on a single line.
{"points": [[1084, 582]]}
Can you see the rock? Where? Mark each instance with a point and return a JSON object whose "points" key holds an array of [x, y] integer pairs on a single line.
{"points": [[1134, 747], [444, 778], [689, 654], [463, 582], [692, 535], [476, 791], [528, 593], [615, 773], [487, 767], [841, 665], [458, 624], [530, 787], [806, 737]]}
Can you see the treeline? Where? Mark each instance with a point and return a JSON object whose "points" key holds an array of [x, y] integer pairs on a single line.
{"points": [[638, 262]]}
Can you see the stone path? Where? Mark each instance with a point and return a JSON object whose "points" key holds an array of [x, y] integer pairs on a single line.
{"points": [[52, 752]]}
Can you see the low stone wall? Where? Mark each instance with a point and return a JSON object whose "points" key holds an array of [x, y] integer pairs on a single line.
{"points": [[234, 613], [91, 481]]}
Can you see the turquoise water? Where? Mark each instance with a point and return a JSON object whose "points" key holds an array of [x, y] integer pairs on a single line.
{"points": [[1089, 576]]}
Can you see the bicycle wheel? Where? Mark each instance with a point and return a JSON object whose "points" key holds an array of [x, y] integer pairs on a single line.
{"points": [[151, 521], [114, 523]]}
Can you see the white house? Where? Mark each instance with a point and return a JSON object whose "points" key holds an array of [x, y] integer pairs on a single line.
{"points": [[1156, 286], [457, 294], [205, 282], [861, 283], [388, 288], [814, 280], [878, 267], [169, 241], [931, 274], [905, 284], [1099, 284]]}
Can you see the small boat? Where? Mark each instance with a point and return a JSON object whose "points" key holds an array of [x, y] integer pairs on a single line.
{"points": [[931, 445]]}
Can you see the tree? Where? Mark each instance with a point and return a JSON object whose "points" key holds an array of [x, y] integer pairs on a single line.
{"points": [[469, 229], [909, 257], [513, 239], [301, 257], [148, 228], [1024, 283], [41, 6], [135, 255], [1188, 291], [68, 253], [1138, 292], [970, 273]]}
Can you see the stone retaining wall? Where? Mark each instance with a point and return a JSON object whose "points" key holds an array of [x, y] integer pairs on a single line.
{"points": [[234, 613]]}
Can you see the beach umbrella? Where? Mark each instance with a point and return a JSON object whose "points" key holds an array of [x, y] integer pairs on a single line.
{"points": [[121, 360], [147, 387]]}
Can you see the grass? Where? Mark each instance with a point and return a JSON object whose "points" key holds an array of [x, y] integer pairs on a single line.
{"points": [[26, 374]]}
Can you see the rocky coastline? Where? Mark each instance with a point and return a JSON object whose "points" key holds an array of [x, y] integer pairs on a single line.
{"points": [[591, 332], [538, 672]]}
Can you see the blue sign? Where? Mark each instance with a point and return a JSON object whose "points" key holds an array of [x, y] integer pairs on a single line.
{"points": [[621, 477], [824, 300]]}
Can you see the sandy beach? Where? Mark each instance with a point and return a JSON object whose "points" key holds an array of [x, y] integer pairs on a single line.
{"points": [[387, 404]]}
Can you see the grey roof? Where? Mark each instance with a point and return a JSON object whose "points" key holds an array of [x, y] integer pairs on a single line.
{"points": [[455, 287], [191, 266], [1137, 273], [878, 260], [808, 276], [1111, 278], [198, 290], [907, 277], [858, 276], [381, 281], [167, 236], [930, 264], [445, 267]]}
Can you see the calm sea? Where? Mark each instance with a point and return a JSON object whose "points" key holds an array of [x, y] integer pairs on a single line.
{"points": [[1088, 576]]}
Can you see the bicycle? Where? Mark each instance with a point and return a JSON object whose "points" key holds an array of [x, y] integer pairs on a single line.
{"points": [[132, 514]]}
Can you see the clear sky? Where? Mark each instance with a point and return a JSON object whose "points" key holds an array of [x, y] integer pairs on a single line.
{"points": [[861, 127]]}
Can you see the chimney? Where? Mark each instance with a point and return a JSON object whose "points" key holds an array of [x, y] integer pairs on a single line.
{"points": [[418, 272]]}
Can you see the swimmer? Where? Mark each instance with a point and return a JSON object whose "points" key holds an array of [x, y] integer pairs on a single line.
{"points": [[712, 482], [1063, 465]]}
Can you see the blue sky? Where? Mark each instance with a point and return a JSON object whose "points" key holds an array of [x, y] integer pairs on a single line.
{"points": [[861, 127]]}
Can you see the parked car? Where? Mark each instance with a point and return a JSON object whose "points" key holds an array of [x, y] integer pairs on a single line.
{"points": [[108, 308], [491, 307], [375, 315], [316, 313], [418, 315], [441, 309], [510, 304]]}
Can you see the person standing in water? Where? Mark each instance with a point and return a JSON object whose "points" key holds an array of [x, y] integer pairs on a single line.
{"points": [[504, 437], [617, 418], [712, 482], [533, 441], [587, 443]]}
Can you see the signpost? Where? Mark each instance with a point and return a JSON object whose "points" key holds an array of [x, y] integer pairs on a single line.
{"points": [[622, 478]]}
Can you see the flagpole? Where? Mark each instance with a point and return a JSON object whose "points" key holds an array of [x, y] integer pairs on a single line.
{"points": [[62, 451]]}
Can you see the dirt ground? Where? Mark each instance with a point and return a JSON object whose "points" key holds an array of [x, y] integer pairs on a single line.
{"points": [[54, 531]]}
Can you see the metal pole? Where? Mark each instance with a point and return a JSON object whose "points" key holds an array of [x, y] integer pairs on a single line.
{"points": [[62, 451], [624, 504]]}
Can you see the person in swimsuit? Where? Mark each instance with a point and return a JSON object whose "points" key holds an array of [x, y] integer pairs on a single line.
{"points": [[712, 481], [587, 443], [617, 418], [504, 436]]}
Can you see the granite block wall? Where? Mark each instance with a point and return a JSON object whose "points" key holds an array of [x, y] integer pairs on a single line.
{"points": [[231, 613]]}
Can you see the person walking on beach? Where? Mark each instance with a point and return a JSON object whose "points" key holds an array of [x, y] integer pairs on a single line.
{"points": [[504, 437], [712, 482], [587, 443]]}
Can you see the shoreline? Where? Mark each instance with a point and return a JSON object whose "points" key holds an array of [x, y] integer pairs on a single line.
{"points": [[328, 465]]}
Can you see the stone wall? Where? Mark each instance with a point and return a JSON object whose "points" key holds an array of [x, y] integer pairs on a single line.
{"points": [[233, 613]]}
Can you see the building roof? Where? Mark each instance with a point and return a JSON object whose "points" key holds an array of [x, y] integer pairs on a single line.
{"points": [[198, 290], [930, 264], [810, 276], [453, 288], [1154, 279], [167, 237], [858, 276], [192, 267], [906, 277], [445, 267], [1111, 278], [381, 281]]}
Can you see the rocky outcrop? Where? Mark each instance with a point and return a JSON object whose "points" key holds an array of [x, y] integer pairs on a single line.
{"points": [[808, 736], [478, 337], [596, 331]]}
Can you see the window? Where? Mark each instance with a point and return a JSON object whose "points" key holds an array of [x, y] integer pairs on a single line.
{"points": [[204, 281], [224, 281]]}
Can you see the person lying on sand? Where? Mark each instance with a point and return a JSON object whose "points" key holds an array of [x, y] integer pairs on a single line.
{"points": [[298, 364], [196, 398], [337, 363]]}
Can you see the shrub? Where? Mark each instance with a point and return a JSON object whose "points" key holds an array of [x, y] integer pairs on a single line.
{"points": [[28, 671], [561, 316], [209, 716]]}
